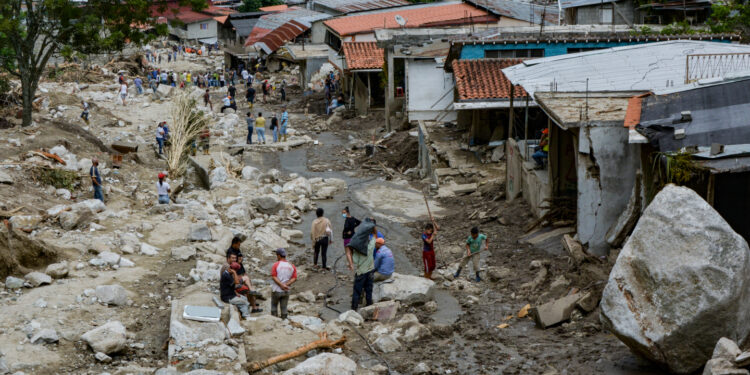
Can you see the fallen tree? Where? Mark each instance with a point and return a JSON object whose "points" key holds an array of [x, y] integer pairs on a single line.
{"points": [[323, 343]]}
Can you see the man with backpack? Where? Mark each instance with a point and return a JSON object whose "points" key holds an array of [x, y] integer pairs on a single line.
{"points": [[359, 254]]}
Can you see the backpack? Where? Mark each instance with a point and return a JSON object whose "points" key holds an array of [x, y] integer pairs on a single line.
{"points": [[361, 237]]}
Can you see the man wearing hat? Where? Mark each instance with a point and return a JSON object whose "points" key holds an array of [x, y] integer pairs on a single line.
{"points": [[384, 263], [284, 274], [162, 189], [542, 150]]}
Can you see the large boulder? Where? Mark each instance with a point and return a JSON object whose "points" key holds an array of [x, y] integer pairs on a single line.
{"points": [[680, 283], [112, 295], [298, 186], [267, 203], [407, 289], [325, 363], [218, 176], [109, 338], [38, 278], [199, 232], [250, 173]]}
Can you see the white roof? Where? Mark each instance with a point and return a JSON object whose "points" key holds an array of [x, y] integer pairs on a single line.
{"points": [[649, 66]]}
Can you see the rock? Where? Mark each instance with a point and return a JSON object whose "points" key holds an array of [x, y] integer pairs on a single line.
{"points": [[163, 91], [101, 357], [306, 296], [5, 178], [587, 302], [199, 232], [41, 303], [387, 344], [267, 239], [109, 338], [45, 336], [722, 366], [183, 253], [555, 312], [496, 274], [58, 270], [310, 322], [218, 176], [421, 367], [147, 249], [743, 360], [13, 283], [37, 278], [409, 329], [463, 189], [289, 234], [267, 203], [237, 211], [70, 220], [298, 186], [250, 173], [726, 348], [63, 193], [106, 258], [685, 256], [324, 363], [352, 317], [112, 295], [381, 311], [234, 327], [406, 289], [430, 307], [26, 223]]}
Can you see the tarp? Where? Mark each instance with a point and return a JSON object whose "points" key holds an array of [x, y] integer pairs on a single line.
{"points": [[361, 237]]}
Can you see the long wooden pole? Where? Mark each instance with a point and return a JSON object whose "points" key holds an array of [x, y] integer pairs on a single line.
{"points": [[322, 343], [432, 219]]}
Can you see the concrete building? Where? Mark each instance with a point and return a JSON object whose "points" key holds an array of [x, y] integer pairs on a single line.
{"points": [[586, 97], [309, 57], [596, 12], [274, 30], [362, 66], [186, 24]]}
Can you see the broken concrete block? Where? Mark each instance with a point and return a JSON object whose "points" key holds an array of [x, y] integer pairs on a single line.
{"points": [[588, 302], [742, 360], [555, 312], [722, 366], [382, 311], [464, 189], [574, 248]]}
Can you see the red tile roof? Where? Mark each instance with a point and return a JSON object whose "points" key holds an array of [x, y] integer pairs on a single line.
{"points": [[484, 79], [421, 16], [363, 55], [276, 38], [274, 8], [633, 113]]}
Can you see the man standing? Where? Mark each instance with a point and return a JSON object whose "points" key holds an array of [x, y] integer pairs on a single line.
{"points": [[245, 76], [250, 96], [250, 125], [363, 266], [284, 274], [350, 224], [85, 113], [96, 179], [473, 247], [207, 100], [232, 90], [284, 123], [260, 127], [160, 137], [384, 263], [320, 233], [138, 85], [228, 287], [124, 93]]}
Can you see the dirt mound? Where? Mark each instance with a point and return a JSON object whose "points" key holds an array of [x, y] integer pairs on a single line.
{"points": [[402, 151], [19, 252]]}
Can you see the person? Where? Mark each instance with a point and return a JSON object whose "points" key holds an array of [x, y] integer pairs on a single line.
{"points": [[162, 189], [228, 103], [166, 132], [542, 150], [284, 274], [206, 140], [96, 179], [124, 93], [275, 127], [428, 250], [320, 233], [250, 96], [384, 263], [282, 90], [264, 88], [284, 123], [232, 90], [138, 85], [334, 104], [85, 113], [222, 79], [245, 76], [164, 77], [189, 79], [120, 78], [250, 125], [350, 224], [160, 137], [228, 285], [153, 84], [246, 287], [363, 266], [260, 128], [207, 100], [473, 248]]}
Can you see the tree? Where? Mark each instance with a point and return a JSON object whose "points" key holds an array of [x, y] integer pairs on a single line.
{"points": [[730, 17], [255, 5], [36, 30]]}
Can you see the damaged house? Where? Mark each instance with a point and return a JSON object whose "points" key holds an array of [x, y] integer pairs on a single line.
{"points": [[593, 160]]}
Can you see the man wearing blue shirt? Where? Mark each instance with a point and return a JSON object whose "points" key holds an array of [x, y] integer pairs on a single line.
{"points": [[384, 264], [284, 123], [96, 180]]}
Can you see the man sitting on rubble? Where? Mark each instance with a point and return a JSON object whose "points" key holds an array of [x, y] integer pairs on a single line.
{"points": [[246, 287], [542, 150], [228, 284], [384, 263]]}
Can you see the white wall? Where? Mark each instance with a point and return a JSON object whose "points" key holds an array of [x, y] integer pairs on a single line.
{"points": [[429, 91], [194, 30]]}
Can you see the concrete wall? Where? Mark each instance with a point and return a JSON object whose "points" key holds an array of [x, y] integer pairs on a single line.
{"points": [[507, 21], [194, 30], [476, 51], [606, 166], [429, 91], [318, 33], [591, 15], [523, 179]]}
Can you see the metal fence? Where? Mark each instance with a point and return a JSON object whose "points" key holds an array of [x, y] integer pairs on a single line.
{"points": [[702, 66]]}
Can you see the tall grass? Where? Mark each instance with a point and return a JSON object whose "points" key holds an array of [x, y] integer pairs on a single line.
{"points": [[186, 125]]}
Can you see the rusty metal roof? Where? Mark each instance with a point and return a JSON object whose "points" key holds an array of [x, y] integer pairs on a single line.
{"points": [[353, 6], [270, 42]]}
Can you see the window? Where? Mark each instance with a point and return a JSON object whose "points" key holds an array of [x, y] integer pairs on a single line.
{"points": [[583, 49], [514, 53], [606, 16], [333, 40], [204, 26]]}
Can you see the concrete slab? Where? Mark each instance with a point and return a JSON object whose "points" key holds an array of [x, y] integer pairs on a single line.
{"points": [[555, 312]]}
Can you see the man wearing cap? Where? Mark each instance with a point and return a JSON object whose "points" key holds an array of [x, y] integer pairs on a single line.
{"points": [[96, 179], [228, 284], [384, 263], [542, 150], [284, 274], [162, 189], [228, 103]]}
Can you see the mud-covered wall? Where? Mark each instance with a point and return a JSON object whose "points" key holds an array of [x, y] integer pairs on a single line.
{"points": [[606, 166]]}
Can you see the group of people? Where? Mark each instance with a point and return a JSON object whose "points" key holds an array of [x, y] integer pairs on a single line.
{"points": [[278, 126]]}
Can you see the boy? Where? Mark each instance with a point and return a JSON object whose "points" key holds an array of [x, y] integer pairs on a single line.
{"points": [[473, 246], [428, 250]]}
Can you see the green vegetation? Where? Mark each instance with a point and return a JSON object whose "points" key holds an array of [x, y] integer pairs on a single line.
{"points": [[255, 5], [732, 17], [676, 168], [59, 178]]}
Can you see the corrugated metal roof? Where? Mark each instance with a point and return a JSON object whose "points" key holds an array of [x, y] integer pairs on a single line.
{"points": [[352, 6], [243, 26], [565, 4], [270, 42], [518, 10], [642, 67], [271, 22]]}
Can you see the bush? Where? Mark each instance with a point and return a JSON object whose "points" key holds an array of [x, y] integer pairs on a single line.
{"points": [[59, 178]]}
